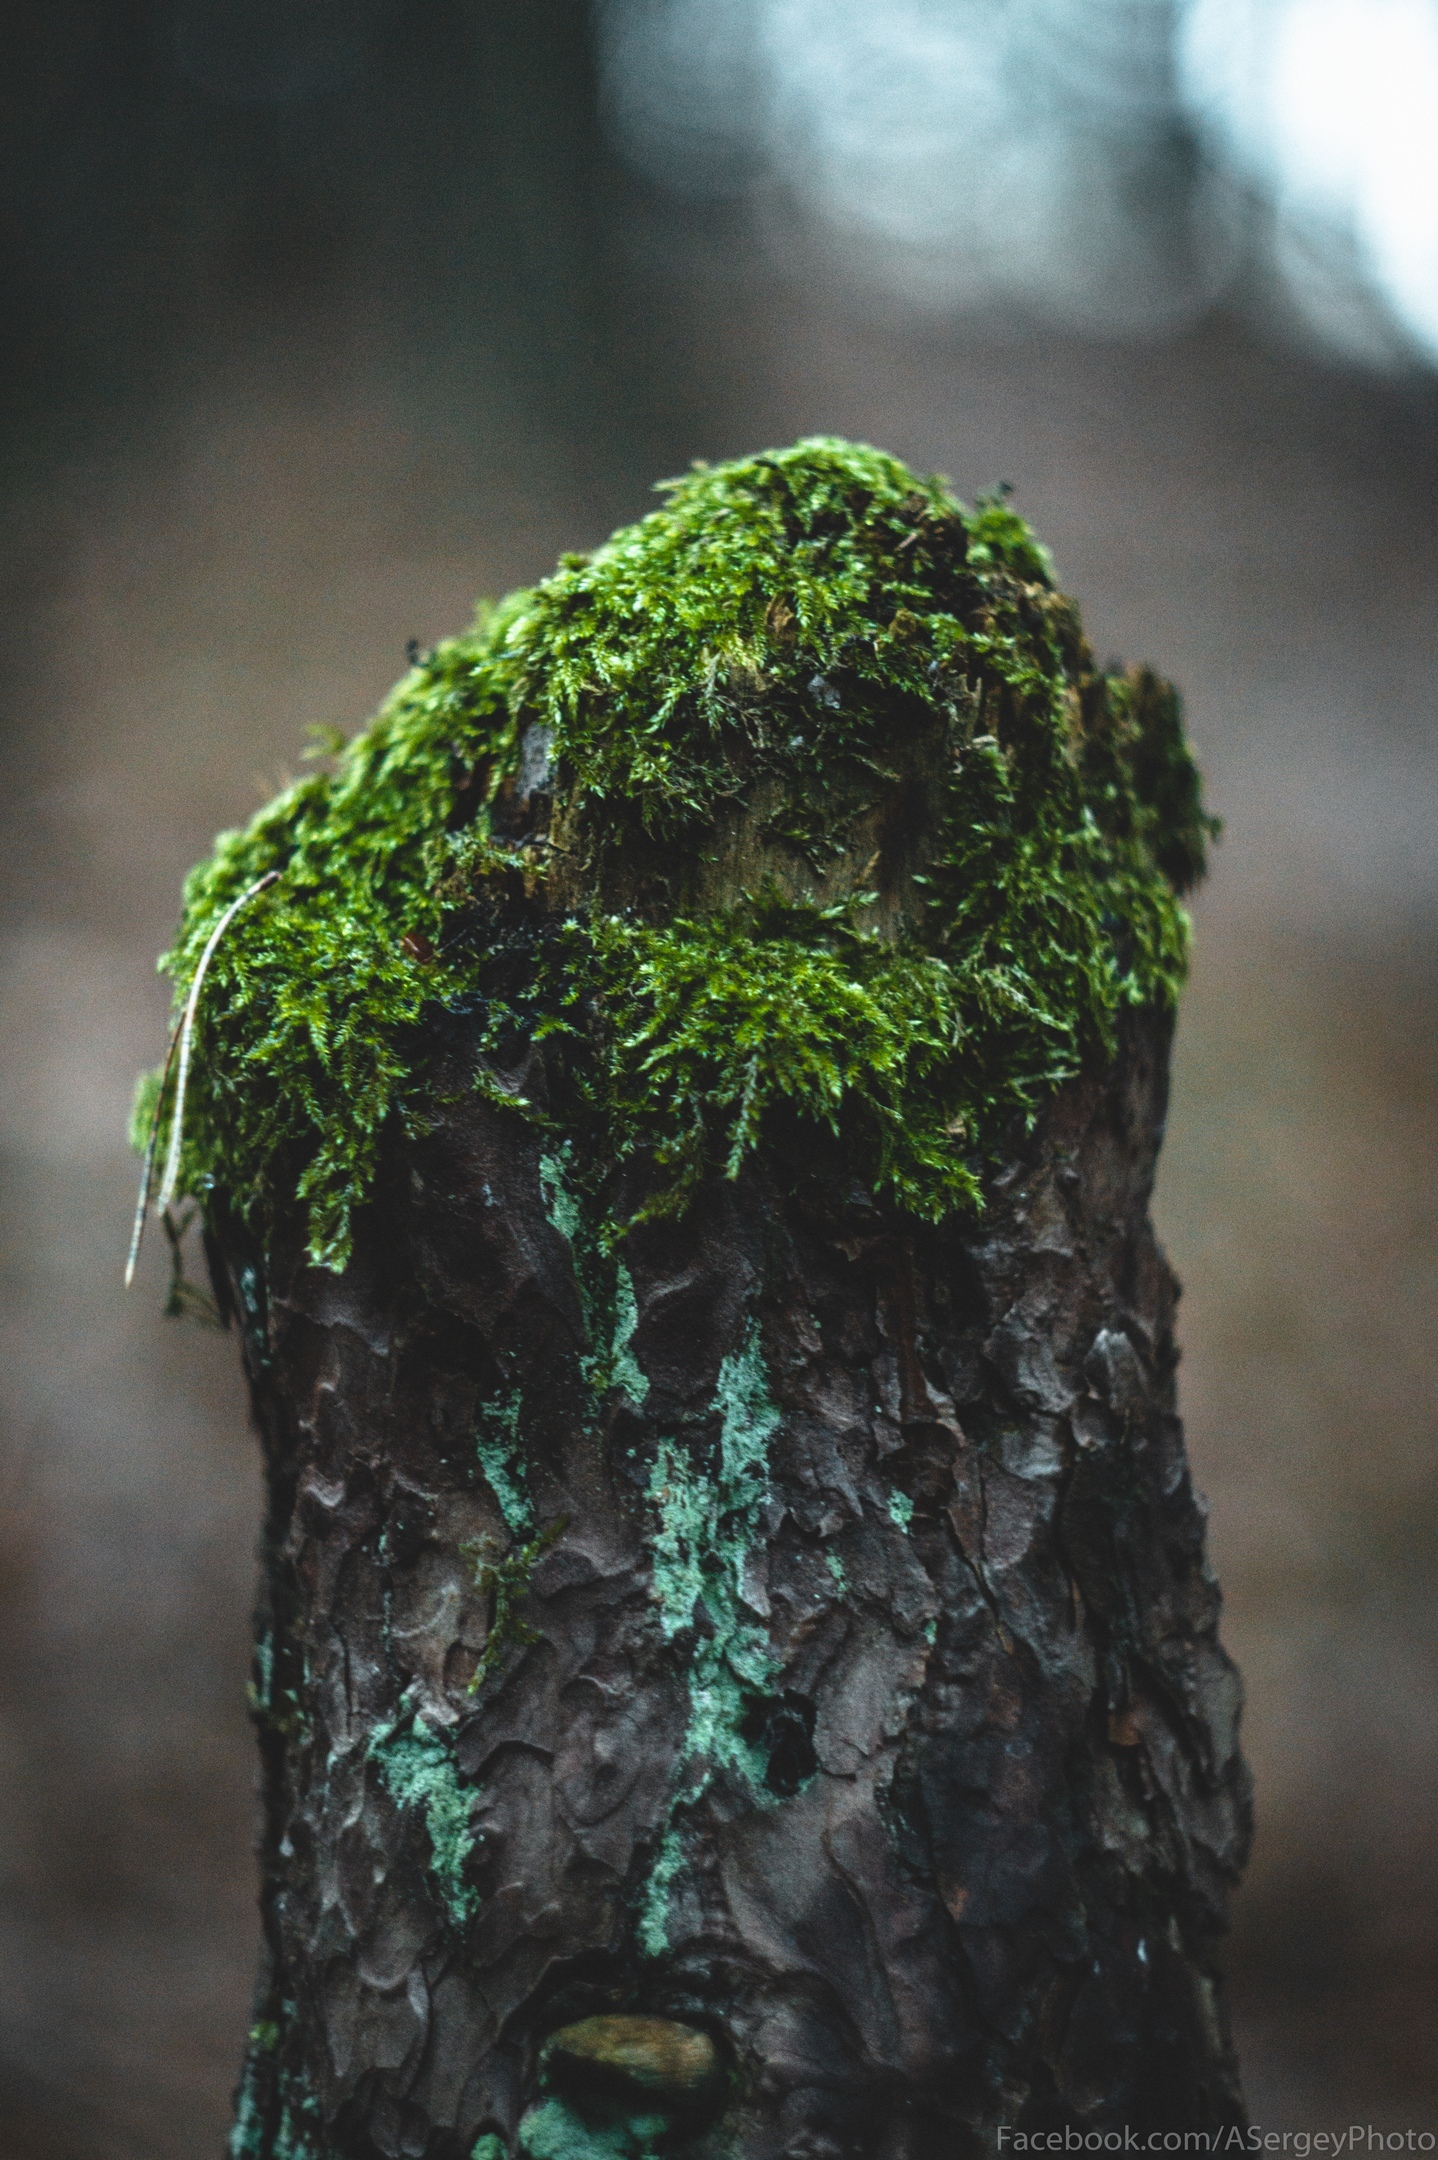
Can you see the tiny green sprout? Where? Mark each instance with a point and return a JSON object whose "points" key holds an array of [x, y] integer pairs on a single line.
{"points": [[324, 742], [506, 1580]]}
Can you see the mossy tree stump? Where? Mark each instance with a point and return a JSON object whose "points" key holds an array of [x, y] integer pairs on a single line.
{"points": [[737, 1671]]}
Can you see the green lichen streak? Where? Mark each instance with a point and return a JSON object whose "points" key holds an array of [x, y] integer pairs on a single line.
{"points": [[708, 1523], [498, 1448], [553, 2130], [296, 2132], [782, 631], [605, 1286], [418, 1766]]}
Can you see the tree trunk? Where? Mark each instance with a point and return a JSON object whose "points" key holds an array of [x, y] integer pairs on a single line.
{"points": [[760, 1699], [675, 1114]]}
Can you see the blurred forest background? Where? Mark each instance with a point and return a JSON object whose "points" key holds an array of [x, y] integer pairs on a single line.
{"points": [[322, 317]]}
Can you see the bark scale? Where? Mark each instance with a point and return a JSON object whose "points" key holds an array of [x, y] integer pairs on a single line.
{"points": [[794, 1646]]}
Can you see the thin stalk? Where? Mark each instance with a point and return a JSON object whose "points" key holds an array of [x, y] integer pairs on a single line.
{"points": [[182, 1035]]}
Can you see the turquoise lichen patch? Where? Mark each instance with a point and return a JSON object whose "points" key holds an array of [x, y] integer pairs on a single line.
{"points": [[259, 1691], [284, 1713], [298, 2134], [901, 1509], [418, 1765], [785, 631], [664, 1873], [708, 1520], [605, 1286], [497, 1446], [555, 2131], [247, 2133], [560, 1203], [708, 1524], [625, 1370]]}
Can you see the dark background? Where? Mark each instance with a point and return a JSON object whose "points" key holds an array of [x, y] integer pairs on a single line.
{"points": [[320, 320]]}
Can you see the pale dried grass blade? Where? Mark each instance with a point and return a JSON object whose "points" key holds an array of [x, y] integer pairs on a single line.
{"points": [[183, 1035]]}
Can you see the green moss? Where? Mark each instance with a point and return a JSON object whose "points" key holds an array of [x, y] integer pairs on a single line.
{"points": [[901, 1509], [784, 631], [419, 1768], [505, 1579], [301, 1050], [716, 1023]]}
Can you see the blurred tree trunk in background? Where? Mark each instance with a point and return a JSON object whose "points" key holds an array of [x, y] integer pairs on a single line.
{"points": [[825, 1749]]}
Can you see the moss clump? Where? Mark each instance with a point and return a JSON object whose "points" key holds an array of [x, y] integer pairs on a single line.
{"points": [[972, 844], [713, 1023]]}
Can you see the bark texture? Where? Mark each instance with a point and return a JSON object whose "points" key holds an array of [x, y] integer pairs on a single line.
{"points": [[848, 1685]]}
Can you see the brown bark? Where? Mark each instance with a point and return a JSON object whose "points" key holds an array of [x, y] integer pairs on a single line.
{"points": [[973, 1864]]}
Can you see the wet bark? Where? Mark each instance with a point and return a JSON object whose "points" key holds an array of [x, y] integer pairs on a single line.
{"points": [[824, 1664]]}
